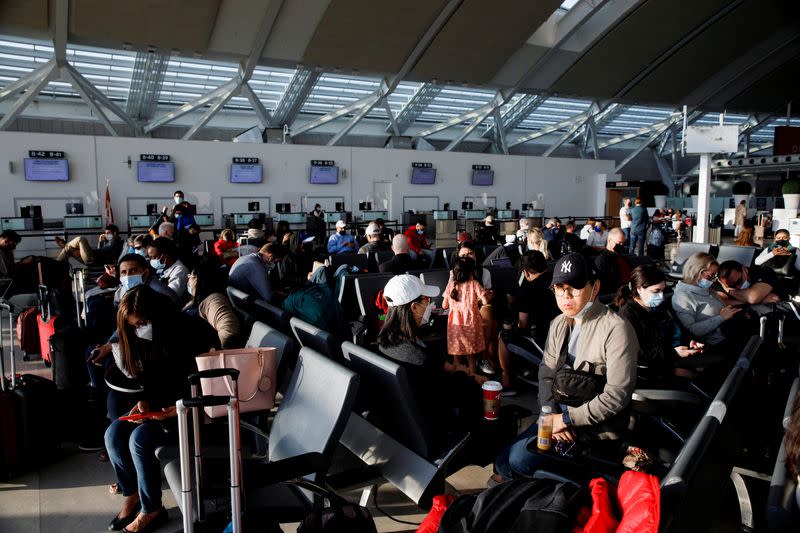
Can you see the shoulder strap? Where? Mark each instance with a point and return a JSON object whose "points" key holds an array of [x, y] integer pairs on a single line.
{"points": [[563, 354]]}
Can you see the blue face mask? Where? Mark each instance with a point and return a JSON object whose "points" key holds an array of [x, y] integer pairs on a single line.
{"points": [[157, 264], [656, 299], [129, 282], [141, 252], [420, 231], [704, 283], [598, 229], [745, 285]]}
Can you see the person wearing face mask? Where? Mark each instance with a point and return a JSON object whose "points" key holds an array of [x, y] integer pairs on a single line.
{"points": [[9, 240], [418, 245], [451, 402], [109, 245], [163, 254], [640, 302], [598, 236], [156, 349], [584, 331], [401, 262], [696, 307], [209, 302], [137, 244], [755, 286], [780, 255], [251, 273], [612, 267], [317, 212], [341, 242]]}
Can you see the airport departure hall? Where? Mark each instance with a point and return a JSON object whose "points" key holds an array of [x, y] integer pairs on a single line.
{"points": [[455, 266]]}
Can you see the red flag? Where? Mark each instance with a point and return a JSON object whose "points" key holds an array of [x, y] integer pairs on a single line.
{"points": [[109, 213]]}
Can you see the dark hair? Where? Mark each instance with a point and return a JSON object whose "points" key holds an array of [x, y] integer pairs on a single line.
{"points": [[463, 271], [642, 277], [144, 238], [380, 221], [254, 223], [178, 192], [399, 326], [112, 227], [144, 302], [283, 227], [792, 439], [210, 279], [786, 231], [194, 226], [165, 246], [133, 258], [533, 261], [421, 222], [11, 235], [570, 224], [726, 267], [277, 250]]}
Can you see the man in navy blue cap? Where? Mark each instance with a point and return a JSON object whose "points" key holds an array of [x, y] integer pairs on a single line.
{"points": [[586, 331]]}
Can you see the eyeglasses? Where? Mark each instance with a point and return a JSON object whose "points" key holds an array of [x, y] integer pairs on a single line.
{"points": [[563, 291], [713, 277]]}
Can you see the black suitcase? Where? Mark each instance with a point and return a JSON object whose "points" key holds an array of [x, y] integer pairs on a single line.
{"points": [[66, 353]]}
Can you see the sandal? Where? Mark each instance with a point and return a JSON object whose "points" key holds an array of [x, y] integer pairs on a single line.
{"points": [[114, 489]]}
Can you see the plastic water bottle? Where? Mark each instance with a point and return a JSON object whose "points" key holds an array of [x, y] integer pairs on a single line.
{"points": [[544, 440]]}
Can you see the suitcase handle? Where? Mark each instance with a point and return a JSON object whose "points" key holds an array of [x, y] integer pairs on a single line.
{"points": [[206, 401], [195, 378]]}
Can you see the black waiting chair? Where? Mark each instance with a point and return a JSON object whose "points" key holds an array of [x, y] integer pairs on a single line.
{"points": [[437, 278], [354, 260], [286, 349], [685, 251], [745, 255], [242, 304], [505, 280], [302, 439], [367, 289], [310, 336], [395, 438], [271, 315]]}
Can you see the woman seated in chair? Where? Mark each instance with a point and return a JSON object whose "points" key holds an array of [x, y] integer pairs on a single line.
{"points": [[640, 302], [156, 349], [206, 286], [697, 308], [449, 401]]}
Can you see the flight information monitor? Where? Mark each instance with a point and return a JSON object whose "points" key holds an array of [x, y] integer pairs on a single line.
{"points": [[423, 176], [482, 178], [242, 173], [46, 169], [324, 175], [155, 171]]}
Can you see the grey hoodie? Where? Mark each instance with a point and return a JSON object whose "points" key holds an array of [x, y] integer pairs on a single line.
{"points": [[698, 311]]}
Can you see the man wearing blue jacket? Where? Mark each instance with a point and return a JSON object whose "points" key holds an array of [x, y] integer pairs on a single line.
{"points": [[340, 242]]}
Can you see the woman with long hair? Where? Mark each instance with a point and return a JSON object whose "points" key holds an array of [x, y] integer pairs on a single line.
{"points": [[536, 241], [206, 286], [156, 348]]}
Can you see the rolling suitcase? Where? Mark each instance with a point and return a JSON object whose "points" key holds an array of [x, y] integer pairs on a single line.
{"points": [[46, 323], [69, 371], [189, 462], [28, 332], [28, 430]]}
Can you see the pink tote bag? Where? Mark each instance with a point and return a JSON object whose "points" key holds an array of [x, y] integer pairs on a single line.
{"points": [[256, 366]]}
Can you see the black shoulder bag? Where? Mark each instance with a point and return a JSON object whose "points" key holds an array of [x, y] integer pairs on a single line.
{"points": [[574, 387]]}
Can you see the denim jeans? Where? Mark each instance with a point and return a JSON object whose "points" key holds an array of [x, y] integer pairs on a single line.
{"points": [[637, 240], [132, 453], [627, 232], [515, 460], [427, 252]]}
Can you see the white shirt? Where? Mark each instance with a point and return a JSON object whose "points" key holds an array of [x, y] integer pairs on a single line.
{"points": [[766, 255], [624, 213], [586, 230], [176, 277]]}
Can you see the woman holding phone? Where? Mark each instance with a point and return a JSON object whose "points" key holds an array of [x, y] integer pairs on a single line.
{"points": [[156, 348]]}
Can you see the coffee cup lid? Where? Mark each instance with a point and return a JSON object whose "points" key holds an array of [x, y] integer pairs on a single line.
{"points": [[492, 385]]}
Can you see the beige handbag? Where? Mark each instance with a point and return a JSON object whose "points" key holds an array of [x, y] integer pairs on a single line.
{"points": [[256, 383]]}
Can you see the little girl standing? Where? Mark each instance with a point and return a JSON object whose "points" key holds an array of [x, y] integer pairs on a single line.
{"points": [[462, 297]]}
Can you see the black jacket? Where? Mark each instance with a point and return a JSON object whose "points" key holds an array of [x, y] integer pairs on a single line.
{"points": [[656, 332], [399, 264]]}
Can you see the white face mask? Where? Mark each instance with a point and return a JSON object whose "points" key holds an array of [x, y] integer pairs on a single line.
{"points": [[426, 316], [145, 332], [586, 307], [178, 199], [109, 237]]}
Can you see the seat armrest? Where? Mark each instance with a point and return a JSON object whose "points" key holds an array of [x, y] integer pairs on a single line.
{"points": [[666, 395], [263, 474]]}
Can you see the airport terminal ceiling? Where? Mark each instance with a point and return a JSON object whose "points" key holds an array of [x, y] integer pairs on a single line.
{"points": [[591, 74]]}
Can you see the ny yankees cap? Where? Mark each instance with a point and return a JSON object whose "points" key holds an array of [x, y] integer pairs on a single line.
{"points": [[573, 270]]}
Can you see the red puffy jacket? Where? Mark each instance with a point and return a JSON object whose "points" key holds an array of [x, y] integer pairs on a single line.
{"points": [[639, 499]]}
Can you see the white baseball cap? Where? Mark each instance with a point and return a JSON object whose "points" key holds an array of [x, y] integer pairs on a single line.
{"points": [[341, 224], [510, 239], [406, 288], [373, 229]]}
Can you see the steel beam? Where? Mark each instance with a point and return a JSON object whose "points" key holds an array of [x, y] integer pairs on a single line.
{"points": [[593, 139], [483, 110], [296, 93], [60, 30], [641, 131], [17, 86], [416, 105], [191, 106], [341, 112], [547, 130], [519, 111], [390, 114], [147, 79], [261, 112], [86, 97], [647, 142], [563, 138], [249, 64], [98, 95], [23, 101], [361, 113], [499, 129], [471, 127], [209, 114]]}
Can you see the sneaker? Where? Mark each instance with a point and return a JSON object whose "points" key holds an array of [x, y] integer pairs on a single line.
{"points": [[486, 367]]}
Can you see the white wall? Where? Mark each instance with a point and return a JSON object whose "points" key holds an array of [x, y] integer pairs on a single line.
{"points": [[570, 186]]}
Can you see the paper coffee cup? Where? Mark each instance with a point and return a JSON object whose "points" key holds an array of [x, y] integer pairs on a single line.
{"points": [[491, 399]]}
